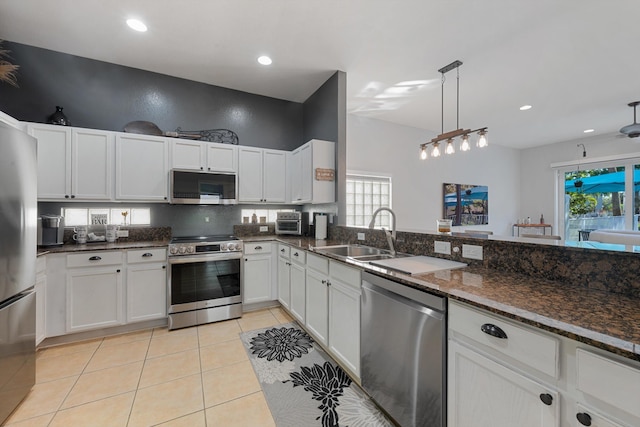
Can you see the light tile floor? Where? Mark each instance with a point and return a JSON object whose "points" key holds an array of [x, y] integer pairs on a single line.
{"points": [[196, 377]]}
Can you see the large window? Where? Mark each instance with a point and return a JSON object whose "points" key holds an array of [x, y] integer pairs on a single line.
{"points": [[365, 194], [600, 196]]}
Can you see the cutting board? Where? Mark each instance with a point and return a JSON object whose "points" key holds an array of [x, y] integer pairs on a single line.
{"points": [[418, 264]]}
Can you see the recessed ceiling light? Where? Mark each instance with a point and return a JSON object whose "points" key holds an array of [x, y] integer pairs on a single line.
{"points": [[588, 130], [137, 25], [525, 107], [265, 60]]}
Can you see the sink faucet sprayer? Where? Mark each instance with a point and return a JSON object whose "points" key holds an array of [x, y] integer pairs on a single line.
{"points": [[391, 237]]}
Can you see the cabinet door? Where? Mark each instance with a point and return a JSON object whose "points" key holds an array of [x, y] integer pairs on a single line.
{"points": [[257, 279], [94, 298], [222, 158], [275, 176], [142, 168], [54, 161], [344, 324], [295, 176], [187, 155], [306, 168], [298, 292], [92, 164], [41, 296], [146, 292], [317, 310], [588, 417], [250, 175], [284, 284], [483, 393]]}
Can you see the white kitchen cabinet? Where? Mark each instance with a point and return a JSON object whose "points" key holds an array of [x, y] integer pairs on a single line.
{"points": [[41, 297], [146, 284], [204, 156], [142, 168], [284, 275], [257, 272], [314, 156], [262, 175], [484, 393], [333, 308], [74, 163], [94, 290], [585, 416]]}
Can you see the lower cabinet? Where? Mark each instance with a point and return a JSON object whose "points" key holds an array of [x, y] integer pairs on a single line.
{"points": [[98, 289], [484, 393], [94, 298], [146, 285], [257, 273], [41, 296]]}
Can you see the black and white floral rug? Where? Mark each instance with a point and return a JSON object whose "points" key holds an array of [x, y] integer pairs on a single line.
{"points": [[303, 386]]}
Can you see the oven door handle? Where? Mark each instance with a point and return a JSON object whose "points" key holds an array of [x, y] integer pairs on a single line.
{"points": [[204, 258]]}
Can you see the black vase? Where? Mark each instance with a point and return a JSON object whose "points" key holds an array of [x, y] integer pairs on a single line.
{"points": [[58, 118]]}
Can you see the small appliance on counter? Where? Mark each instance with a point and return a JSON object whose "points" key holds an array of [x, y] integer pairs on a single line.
{"points": [[294, 223], [320, 221], [50, 230]]}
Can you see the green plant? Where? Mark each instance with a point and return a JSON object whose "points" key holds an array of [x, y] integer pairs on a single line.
{"points": [[581, 204]]}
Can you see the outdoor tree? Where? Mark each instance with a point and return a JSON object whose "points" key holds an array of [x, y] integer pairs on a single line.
{"points": [[581, 204]]}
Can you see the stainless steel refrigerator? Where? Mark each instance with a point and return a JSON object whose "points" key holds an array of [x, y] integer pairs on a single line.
{"points": [[18, 221]]}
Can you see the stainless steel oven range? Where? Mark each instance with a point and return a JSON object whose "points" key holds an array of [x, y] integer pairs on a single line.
{"points": [[204, 280]]}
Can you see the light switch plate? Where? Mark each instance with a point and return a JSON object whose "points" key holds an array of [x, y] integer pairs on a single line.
{"points": [[442, 247], [360, 236], [472, 251], [264, 228]]}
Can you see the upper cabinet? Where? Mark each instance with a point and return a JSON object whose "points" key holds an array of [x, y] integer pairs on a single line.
{"points": [[262, 175], [313, 173], [142, 167], [73, 163], [203, 156]]}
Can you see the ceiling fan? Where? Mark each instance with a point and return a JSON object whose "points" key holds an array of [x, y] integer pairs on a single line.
{"points": [[632, 130]]}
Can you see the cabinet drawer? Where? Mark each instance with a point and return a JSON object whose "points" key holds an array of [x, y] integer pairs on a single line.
{"points": [[257, 248], [88, 259], [347, 275], [146, 255], [298, 256], [524, 345], [318, 263], [284, 250], [609, 381]]}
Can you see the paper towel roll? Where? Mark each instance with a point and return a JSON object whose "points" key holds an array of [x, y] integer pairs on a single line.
{"points": [[321, 227]]}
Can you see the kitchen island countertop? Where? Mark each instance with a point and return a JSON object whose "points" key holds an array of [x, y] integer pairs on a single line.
{"points": [[602, 319]]}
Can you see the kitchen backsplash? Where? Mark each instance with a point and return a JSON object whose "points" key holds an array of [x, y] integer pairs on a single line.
{"points": [[595, 269]]}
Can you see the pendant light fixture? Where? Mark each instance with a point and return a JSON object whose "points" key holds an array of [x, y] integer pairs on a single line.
{"points": [[449, 137]]}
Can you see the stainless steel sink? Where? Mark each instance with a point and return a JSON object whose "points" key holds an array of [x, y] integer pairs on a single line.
{"points": [[358, 252]]}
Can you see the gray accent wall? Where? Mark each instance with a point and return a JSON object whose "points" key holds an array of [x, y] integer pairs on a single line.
{"points": [[100, 95]]}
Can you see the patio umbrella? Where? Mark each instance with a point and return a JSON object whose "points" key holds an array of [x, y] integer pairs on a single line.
{"points": [[607, 183]]}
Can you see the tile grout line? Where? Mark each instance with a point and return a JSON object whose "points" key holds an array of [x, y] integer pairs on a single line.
{"points": [[135, 392]]}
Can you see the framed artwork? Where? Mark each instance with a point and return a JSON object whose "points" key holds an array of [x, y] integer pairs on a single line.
{"points": [[466, 204]]}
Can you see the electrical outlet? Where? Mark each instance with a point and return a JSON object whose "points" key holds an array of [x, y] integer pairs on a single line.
{"points": [[122, 233], [264, 228], [472, 251], [360, 236], [442, 247]]}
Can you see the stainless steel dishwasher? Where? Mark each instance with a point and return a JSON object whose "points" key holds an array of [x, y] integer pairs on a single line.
{"points": [[403, 351]]}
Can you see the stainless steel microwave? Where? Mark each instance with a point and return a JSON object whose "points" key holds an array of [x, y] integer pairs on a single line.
{"points": [[202, 188]]}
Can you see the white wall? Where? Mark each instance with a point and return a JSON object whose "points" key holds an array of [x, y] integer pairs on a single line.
{"points": [[376, 146], [537, 182]]}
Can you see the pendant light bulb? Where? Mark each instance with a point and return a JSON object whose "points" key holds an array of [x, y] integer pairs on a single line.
{"points": [[464, 145], [450, 149], [423, 152], [436, 150], [482, 140]]}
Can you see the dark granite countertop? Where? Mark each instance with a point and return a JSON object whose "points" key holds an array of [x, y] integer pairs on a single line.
{"points": [[73, 247], [602, 319]]}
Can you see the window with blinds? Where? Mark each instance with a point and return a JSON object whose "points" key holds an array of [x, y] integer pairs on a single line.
{"points": [[365, 194]]}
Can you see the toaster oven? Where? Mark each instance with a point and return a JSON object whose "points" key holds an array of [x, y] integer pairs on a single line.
{"points": [[294, 223]]}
